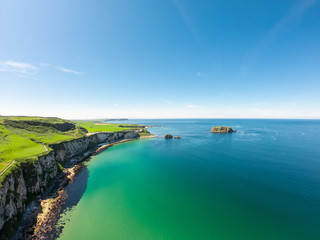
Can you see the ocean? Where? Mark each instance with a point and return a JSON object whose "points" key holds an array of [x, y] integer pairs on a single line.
{"points": [[262, 182]]}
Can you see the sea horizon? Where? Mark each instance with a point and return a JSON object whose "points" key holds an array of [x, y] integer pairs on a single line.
{"points": [[160, 120], [258, 162]]}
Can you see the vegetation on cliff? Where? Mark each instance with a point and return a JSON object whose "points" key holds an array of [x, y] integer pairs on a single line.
{"points": [[27, 137], [34, 151], [105, 127]]}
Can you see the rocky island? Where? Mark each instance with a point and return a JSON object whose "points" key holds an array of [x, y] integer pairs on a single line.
{"points": [[168, 136], [222, 130]]}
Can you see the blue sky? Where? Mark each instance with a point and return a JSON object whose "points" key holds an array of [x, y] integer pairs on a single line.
{"points": [[160, 58]]}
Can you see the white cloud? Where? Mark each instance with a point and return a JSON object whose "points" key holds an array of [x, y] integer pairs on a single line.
{"points": [[69, 70], [166, 101], [192, 106], [18, 67], [27, 68]]}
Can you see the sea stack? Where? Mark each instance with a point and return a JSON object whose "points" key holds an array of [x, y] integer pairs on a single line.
{"points": [[222, 130], [168, 136]]}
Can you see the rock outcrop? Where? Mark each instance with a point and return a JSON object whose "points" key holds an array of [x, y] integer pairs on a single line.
{"points": [[222, 130], [32, 177], [168, 136], [177, 137]]}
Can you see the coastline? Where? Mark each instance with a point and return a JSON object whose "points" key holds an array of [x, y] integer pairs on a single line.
{"points": [[49, 214], [106, 146]]}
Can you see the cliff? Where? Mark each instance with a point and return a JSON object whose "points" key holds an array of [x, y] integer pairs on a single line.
{"points": [[32, 177]]}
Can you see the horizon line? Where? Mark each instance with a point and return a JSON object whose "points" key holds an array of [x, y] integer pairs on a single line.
{"points": [[126, 118]]}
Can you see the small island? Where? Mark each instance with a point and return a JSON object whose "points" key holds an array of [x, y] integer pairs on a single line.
{"points": [[222, 130], [168, 136]]}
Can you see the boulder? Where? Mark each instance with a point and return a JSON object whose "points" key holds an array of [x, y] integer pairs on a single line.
{"points": [[177, 137], [168, 136], [222, 130]]}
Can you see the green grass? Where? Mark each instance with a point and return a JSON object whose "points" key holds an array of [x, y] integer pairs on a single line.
{"points": [[46, 135], [103, 127], [3, 165], [39, 119], [13, 146], [25, 137], [20, 139], [144, 134]]}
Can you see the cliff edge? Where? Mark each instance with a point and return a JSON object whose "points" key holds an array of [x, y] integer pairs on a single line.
{"points": [[26, 178]]}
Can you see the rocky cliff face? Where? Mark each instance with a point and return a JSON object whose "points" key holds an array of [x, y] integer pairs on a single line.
{"points": [[32, 178], [67, 150], [28, 180]]}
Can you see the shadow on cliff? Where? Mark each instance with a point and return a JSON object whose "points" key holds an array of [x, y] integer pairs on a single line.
{"points": [[75, 192]]}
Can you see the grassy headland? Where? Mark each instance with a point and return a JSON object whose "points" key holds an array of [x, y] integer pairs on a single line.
{"points": [[104, 127], [28, 137]]}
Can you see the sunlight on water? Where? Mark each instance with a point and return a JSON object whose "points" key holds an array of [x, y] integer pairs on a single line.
{"points": [[259, 183]]}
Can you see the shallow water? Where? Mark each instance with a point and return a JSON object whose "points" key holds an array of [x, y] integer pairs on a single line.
{"points": [[262, 182]]}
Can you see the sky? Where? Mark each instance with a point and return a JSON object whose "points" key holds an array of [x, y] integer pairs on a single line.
{"points": [[81, 59]]}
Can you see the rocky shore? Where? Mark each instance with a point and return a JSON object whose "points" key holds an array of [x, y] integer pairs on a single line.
{"points": [[51, 207], [106, 146], [42, 181]]}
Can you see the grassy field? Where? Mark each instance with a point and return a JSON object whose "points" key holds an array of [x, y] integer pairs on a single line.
{"points": [[18, 139], [23, 137], [39, 119], [14, 146], [104, 127], [144, 134]]}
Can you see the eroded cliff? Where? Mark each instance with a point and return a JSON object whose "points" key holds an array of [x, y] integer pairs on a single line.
{"points": [[30, 178]]}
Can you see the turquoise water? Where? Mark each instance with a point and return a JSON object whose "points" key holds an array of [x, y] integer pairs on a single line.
{"points": [[262, 182]]}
